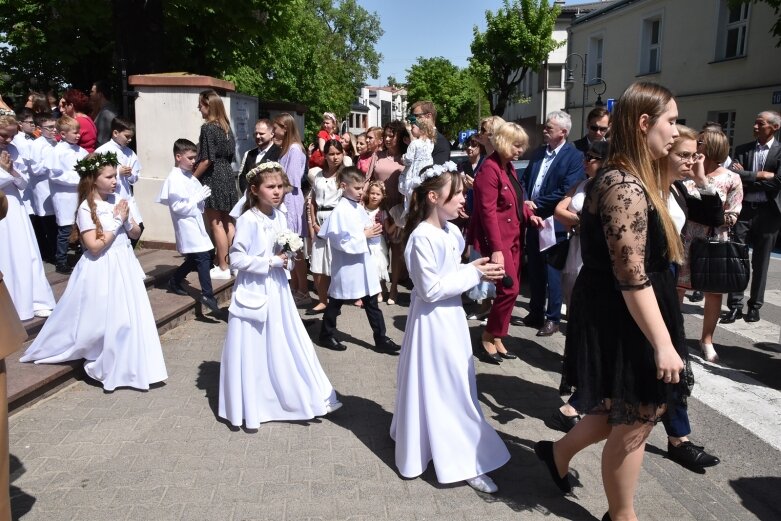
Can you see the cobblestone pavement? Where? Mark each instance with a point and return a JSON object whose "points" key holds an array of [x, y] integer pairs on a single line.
{"points": [[83, 454]]}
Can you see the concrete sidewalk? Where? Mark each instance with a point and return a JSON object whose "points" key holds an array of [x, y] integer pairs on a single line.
{"points": [[83, 454]]}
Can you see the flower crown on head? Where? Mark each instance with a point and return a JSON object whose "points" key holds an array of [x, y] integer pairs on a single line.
{"points": [[92, 164], [268, 165], [428, 172]]}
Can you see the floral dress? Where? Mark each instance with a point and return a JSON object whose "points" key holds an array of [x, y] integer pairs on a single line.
{"points": [[730, 190]]}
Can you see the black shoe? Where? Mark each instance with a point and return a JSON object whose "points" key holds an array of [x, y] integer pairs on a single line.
{"points": [[544, 451], [517, 321], [696, 296], [64, 269], [690, 455], [331, 343], [386, 344], [507, 356], [209, 302], [485, 356], [607, 517], [173, 287], [731, 316], [532, 321], [314, 311], [548, 328], [563, 422], [752, 315]]}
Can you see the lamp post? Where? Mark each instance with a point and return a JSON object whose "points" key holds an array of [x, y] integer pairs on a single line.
{"points": [[570, 81]]}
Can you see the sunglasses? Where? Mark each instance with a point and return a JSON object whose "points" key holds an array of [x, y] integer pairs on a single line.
{"points": [[597, 128], [413, 120], [591, 158]]}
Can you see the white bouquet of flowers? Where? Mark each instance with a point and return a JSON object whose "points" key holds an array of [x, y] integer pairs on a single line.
{"points": [[289, 241]]}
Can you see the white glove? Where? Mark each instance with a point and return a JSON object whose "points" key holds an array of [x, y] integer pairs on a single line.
{"points": [[204, 193]]}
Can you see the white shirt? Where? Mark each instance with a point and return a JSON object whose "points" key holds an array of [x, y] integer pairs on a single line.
{"points": [[179, 193], [40, 156], [126, 157], [550, 155], [64, 181]]}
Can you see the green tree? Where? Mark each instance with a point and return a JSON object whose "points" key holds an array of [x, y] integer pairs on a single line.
{"points": [[775, 30], [453, 90], [518, 38]]}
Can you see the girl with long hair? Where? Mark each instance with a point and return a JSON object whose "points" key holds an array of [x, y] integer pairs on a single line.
{"points": [[104, 316]]}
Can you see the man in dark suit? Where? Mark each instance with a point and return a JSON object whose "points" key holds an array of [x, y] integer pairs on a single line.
{"points": [[427, 110], [552, 170], [759, 166], [266, 151], [596, 128]]}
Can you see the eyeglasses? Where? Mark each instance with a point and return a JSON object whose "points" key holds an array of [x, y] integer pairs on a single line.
{"points": [[48, 127], [413, 120], [472, 145], [687, 157], [597, 128], [29, 122], [589, 158]]}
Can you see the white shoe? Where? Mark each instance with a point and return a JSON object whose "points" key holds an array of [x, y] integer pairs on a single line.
{"points": [[709, 353], [43, 313], [219, 273], [333, 406], [483, 483]]}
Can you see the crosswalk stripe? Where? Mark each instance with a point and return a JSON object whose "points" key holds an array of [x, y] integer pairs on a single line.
{"points": [[763, 331]]}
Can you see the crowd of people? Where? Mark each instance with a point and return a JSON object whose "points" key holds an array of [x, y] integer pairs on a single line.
{"points": [[605, 224]]}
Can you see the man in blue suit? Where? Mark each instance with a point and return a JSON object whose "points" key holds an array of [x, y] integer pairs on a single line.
{"points": [[552, 170]]}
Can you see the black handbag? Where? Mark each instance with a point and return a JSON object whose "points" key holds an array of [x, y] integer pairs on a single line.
{"points": [[708, 210], [556, 255], [718, 266]]}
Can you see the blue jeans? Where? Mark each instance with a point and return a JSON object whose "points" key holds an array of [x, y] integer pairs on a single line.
{"points": [[202, 263], [61, 255]]}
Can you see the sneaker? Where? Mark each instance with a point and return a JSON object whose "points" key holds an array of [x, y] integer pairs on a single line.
{"points": [[173, 287], [333, 406], [43, 313], [219, 273], [210, 302], [483, 483]]}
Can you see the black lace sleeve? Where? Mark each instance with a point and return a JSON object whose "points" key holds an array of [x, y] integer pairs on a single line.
{"points": [[623, 209]]}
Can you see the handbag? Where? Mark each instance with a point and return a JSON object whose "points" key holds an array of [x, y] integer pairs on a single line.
{"points": [[556, 256], [249, 305], [718, 266]]}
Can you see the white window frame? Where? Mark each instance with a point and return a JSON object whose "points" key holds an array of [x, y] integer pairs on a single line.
{"points": [[596, 56], [725, 26], [646, 47], [728, 126]]}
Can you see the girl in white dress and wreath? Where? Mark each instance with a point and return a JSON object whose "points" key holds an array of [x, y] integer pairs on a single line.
{"points": [[437, 416], [104, 316], [372, 201], [21, 263], [269, 369]]}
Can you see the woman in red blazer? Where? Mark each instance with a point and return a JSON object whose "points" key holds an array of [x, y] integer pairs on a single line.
{"points": [[496, 229]]}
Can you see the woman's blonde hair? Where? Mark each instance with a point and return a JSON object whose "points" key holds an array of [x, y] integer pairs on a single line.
{"points": [[715, 144], [505, 135], [491, 123], [629, 151], [216, 113], [427, 128]]}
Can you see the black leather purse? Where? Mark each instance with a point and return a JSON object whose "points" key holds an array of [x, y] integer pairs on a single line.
{"points": [[556, 255], [718, 266]]}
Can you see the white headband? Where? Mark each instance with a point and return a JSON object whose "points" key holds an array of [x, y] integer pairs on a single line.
{"points": [[430, 172]]}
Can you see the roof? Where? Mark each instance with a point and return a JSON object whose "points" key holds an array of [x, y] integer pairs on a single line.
{"points": [[358, 107], [392, 90], [576, 10], [612, 6]]}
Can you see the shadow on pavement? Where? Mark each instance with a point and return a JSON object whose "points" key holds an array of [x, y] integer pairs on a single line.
{"points": [[759, 496], [21, 502]]}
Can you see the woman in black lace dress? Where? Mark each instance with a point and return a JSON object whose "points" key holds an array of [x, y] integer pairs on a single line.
{"points": [[216, 147], [625, 344]]}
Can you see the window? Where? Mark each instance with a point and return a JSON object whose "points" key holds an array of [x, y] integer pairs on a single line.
{"points": [[555, 77], [725, 118], [733, 26], [650, 60], [595, 58]]}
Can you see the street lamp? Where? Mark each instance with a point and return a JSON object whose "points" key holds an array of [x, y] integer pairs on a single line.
{"points": [[598, 84]]}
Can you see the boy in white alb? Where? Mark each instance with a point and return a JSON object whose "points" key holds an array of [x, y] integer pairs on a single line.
{"points": [[184, 195], [122, 133], [23, 140], [64, 185], [41, 150], [353, 272]]}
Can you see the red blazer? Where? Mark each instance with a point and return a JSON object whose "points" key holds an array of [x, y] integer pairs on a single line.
{"points": [[498, 218]]}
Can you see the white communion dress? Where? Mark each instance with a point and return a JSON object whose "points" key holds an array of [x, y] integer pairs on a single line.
{"points": [[437, 415], [20, 258], [104, 316], [269, 369]]}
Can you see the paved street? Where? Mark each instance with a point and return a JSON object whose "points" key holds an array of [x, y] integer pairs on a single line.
{"points": [[83, 454]]}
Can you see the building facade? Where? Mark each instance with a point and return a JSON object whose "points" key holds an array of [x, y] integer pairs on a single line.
{"points": [[721, 62], [384, 104]]}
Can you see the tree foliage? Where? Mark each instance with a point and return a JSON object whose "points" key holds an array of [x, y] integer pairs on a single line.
{"points": [[314, 52], [518, 38], [454, 92], [775, 30]]}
